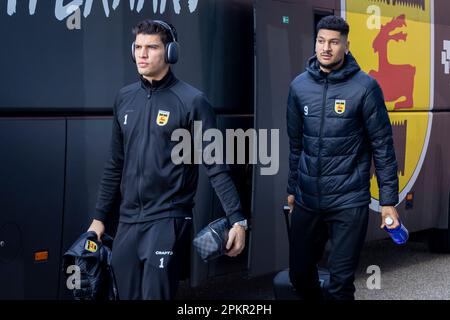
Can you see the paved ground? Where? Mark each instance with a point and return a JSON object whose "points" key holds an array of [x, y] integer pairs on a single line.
{"points": [[408, 272]]}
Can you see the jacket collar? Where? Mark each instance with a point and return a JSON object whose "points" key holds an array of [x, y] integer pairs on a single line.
{"points": [[348, 69], [165, 82]]}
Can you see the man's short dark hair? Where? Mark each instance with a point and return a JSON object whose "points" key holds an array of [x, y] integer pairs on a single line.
{"points": [[151, 27], [334, 23]]}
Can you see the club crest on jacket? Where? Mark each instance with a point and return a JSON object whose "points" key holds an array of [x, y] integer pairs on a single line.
{"points": [[339, 106], [162, 118], [90, 246]]}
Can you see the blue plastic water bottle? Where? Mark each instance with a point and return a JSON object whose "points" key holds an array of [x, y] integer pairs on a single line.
{"points": [[400, 234]]}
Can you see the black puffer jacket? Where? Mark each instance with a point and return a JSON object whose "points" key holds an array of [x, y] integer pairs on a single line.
{"points": [[93, 259], [335, 123]]}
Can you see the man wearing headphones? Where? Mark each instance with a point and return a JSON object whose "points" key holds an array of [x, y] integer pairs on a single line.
{"points": [[152, 243]]}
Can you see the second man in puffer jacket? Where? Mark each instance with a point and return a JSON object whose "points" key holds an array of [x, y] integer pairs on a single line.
{"points": [[337, 123]]}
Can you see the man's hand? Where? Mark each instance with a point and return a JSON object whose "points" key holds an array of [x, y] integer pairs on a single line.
{"points": [[98, 227], [236, 241], [291, 201], [389, 212]]}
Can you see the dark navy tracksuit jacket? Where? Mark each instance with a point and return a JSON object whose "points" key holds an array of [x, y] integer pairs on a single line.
{"points": [[140, 169]]}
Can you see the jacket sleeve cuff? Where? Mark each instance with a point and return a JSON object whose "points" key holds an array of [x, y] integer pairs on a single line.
{"points": [[100, 215], [290, 190], [387, 204], [235, 217], [388, 201]]}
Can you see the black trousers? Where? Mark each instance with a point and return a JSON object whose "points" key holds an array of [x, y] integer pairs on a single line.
{"points": [[149, 258], [346, 230]]}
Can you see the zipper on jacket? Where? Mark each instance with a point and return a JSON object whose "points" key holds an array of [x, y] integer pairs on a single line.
{"points": [[141, 151], [322, 120]]}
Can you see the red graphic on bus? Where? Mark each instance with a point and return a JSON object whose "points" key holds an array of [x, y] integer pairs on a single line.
{"points": [[397, 81]]}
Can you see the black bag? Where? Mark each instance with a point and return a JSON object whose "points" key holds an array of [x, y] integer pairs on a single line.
{"points": [[284, 290], [211, 241]]}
